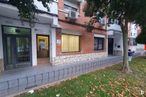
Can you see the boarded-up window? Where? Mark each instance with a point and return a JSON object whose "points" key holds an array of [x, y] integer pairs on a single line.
{"points": [[70, 43]]}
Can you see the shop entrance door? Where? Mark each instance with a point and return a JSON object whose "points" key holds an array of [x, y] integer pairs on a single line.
{"points": [[17, 48]]}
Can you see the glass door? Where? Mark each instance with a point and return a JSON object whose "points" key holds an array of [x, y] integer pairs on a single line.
{"points": [[22, 51], [17, 47], [9, 53]]}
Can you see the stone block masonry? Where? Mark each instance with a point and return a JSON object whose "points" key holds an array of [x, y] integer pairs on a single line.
{"points": [[78, 57]]}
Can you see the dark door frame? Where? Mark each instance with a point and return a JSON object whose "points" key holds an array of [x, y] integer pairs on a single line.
{"points": [[4, 37], [111, 47]]}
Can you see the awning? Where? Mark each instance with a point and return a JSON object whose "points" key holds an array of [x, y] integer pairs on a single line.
{"points": [[72, 32]]}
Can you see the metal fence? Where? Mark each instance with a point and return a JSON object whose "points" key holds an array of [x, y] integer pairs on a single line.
{"points": [[10, 87]]}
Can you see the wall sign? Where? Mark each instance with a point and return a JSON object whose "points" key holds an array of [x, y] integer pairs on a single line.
{"points": [[58, 41]]}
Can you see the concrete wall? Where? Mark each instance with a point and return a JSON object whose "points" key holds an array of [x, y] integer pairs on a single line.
{"points": [[118, 41]]}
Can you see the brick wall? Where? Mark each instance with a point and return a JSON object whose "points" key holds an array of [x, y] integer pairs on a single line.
{"points": [[86, 39], [82, 19]]}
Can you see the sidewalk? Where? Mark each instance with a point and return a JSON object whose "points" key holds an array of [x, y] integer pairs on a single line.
{"points": [[28, 71], [19, 80]]}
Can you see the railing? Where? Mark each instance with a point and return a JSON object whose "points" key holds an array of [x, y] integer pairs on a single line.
{"points": [[14, 86]]}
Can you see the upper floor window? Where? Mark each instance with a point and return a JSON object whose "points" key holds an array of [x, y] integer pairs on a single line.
{"points": [[72, 5]]}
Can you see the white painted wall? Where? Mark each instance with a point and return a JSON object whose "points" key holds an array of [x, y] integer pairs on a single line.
{"points": [[38, 29], [53, 45], [118, 40], [114, 27], [115, 32]]}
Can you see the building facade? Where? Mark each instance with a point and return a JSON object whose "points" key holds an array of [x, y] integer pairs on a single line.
{"points": [[74, 42], [134, 31], [115, 38], [22, 45], [56, 37]]}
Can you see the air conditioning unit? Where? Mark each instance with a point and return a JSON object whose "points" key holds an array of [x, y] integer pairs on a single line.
{"points": [[72, 14]]}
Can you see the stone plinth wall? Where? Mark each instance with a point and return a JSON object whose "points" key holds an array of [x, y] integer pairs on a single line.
{"points": [[118, 53], [76, 58]]}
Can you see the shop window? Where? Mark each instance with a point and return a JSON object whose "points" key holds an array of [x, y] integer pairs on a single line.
{"points": [[98, 43], [70, 43]]}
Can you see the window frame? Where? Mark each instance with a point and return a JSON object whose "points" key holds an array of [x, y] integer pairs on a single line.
{"points": [[97, 40]]}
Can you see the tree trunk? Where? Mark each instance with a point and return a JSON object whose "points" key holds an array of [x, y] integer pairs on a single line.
{"points": [[126, 67]]}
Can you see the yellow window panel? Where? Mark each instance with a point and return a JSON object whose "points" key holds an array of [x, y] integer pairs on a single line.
{"points": [[65, 43], [73, 43], [76, 42], [70, 43]]}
